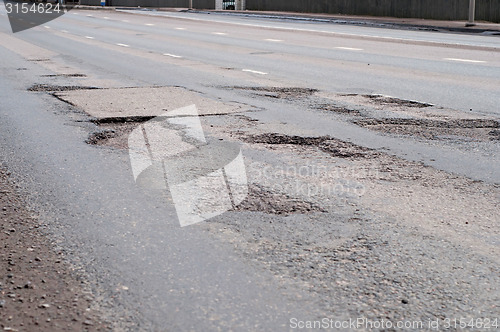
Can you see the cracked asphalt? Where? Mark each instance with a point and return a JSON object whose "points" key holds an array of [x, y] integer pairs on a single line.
{"points": [[371, 162]]}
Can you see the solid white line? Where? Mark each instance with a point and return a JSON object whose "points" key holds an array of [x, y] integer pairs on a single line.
{"points": [[254, 71], [122, 45], [219, 33], [172, 55], [88, 37], [349, 48], [464, 60], [273, 40]]}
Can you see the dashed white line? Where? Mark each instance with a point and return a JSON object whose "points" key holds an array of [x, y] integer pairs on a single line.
{"points": [[349, 48], [88, 15], [122, 45], [46, 27], [219, 33], [464, 60], [89, 37], [254, 71], [419, 40], [172, 55], [149, 24], [180, 28], [273, 40], [106, 18]]}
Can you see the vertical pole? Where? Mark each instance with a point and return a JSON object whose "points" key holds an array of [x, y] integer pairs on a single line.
{"points": [[190, 4], [472, 11]]}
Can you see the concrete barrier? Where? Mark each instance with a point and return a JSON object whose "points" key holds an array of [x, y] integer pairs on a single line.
{"points": [[486, 10], [198, 4]]}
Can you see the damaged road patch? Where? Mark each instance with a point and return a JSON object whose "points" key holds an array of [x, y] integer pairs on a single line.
{"points": [[476, 129], [291, 93], [386, 100], [332, 146], [143, 102], [262, 200]]}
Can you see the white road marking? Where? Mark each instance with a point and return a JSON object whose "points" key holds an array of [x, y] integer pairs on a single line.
{"points": [[46, 27], [254, 71], [88, 15], [172, 55], [106, 18], [465, 60], [349, 48], [123, 45], [219, 33], [88, 37], [274, 40], [180, 28], [149, 24]]}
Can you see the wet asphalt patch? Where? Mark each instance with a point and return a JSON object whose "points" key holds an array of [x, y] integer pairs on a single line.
{"points": [[58, 88], [64, 75]]}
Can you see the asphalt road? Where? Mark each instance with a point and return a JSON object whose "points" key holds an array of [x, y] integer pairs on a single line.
{"points": [[150, 274]]}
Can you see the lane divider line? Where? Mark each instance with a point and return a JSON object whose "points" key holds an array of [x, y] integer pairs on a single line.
{"points": [[123, 45], [254, 71], [219, 33], [88, 37], [172, 55], [349, 48], [273, 40], [464, 60]]}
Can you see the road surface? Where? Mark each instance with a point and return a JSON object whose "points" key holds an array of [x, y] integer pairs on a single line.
{"points": [[371, 154]]}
